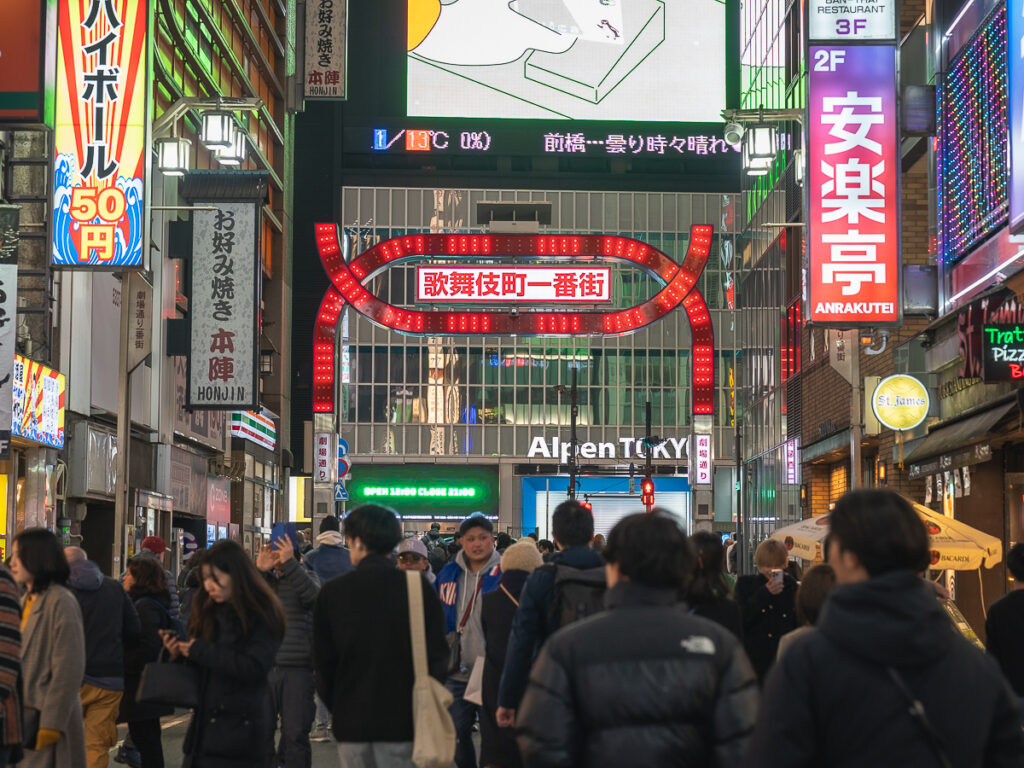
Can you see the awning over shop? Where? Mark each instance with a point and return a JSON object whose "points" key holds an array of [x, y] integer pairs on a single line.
{"points": [[962, 433]]}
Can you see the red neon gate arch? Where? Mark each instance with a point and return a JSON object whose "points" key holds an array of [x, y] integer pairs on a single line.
{"points": [[678, 279]]}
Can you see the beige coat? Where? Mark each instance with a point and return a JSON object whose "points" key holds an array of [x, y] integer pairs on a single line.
{"points": [[53, 665]]}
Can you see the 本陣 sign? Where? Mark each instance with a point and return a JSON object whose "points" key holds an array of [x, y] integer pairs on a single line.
{"points": [[100, 138], [225, 304], [853, 179], [21, 58], [38, 399], [9, 236], [326, 49], [851, 21], [515, 284]]}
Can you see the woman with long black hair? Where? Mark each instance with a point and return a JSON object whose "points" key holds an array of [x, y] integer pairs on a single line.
{"points": [[710, 593], [235, 628]]}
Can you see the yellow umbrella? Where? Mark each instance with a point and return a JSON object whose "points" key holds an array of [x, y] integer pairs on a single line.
{"points": [[955, 546]]}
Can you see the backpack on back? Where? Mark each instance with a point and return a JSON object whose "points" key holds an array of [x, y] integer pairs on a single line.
{"points": [[578, 593]]}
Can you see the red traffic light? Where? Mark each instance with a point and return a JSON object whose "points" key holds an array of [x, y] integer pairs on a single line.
{"points": [[587, 506], [647, 492]]}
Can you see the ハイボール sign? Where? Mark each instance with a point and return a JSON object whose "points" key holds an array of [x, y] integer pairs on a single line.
{"points": [[900, 402]]}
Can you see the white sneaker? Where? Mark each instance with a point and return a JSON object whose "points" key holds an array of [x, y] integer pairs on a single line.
{"points": [[319, 734]]}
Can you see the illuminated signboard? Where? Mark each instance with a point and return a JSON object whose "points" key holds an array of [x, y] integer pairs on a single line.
{"points": [[679, 282], [38, 413], [851, 21], [1004, 352], [1015, 102], [254, 427], [854, 161], [577, 59], [513, 284], [21, 58], [900, 402], [100, 138], [425, 489], [701, 467]]}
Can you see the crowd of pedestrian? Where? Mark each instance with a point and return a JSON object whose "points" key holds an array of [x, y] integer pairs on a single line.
{"points": [[647, 652]]}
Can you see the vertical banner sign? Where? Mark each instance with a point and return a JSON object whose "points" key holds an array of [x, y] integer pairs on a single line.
{"points": [[9, 228], [700, 460], [225, 303], [326, 49], [21, 61], [322, 471], [100, 139], [140, 296], [1015, 78], [853, 177]]}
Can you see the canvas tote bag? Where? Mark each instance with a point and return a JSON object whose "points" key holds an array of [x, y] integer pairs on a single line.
{"points": [[433, 730]]}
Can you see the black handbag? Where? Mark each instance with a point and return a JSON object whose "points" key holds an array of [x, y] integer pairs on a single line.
{"points": [[165, 682], [29, 727]]}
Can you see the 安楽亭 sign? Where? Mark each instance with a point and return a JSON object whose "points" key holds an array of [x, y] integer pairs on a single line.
{"points": [[513, 284], [851, 21], [853, 186], [225, 305], [38, 403], [900, 402], [100, 134], [326, 49]]}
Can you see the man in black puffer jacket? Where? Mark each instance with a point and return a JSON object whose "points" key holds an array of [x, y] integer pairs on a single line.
{"points": [[645, 683], [291, 679], [841, 695]]}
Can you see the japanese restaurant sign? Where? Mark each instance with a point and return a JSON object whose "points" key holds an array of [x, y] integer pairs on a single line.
{"points": [[100, 137], [38, 399], [513, 284], [9, 236], [225, 304], [853, 186], [326, 48]]}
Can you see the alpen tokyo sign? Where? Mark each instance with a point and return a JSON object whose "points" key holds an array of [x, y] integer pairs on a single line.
{"points": [[513, 284], [853, 186]]}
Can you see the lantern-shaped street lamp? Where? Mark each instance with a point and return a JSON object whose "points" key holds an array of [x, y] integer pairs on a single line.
{"points": [[218, 130], [235, 155], [758, 148], [173, 155]]}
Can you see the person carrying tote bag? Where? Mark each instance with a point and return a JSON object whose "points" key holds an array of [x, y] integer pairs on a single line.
{"points": [[433, 727]]}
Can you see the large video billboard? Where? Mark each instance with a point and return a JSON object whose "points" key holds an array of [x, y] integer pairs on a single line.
{"points": [[609, 60]]}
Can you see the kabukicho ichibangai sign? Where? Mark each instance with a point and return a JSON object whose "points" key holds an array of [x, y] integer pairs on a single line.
{"points": [[562, 270], [100, 138], [853, 186]]}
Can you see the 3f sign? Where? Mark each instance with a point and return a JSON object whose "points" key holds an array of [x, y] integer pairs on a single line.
{"points": [[847, 27], [828, 59]]}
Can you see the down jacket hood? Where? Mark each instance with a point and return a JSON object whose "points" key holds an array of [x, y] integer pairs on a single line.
{"points": [[892, 619], [86, 575], [331, 539]]}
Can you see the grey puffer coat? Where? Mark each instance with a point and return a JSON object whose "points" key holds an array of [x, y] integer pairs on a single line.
{"points": [[297, 588]]}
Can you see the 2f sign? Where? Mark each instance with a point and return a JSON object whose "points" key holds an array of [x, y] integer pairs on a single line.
{"points": [[828, 59]]}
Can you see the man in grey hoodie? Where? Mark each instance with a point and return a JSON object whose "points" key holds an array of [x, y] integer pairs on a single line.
{"points": [[474, 571]]}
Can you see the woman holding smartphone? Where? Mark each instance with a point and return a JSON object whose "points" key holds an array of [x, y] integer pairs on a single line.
{"points": [[768, 602], [235, 628]]}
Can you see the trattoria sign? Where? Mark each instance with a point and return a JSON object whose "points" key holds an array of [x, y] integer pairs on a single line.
{"points": [[1003, 348], [100, 134], [991, 332]]}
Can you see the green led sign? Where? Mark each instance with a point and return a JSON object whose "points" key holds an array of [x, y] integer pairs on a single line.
{"points": [[419, 490]]}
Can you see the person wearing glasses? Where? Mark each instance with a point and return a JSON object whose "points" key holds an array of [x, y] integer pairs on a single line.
{"points": [[412, 555]]}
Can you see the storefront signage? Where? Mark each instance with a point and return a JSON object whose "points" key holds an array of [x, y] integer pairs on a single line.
{"points": [[100, 137], [426, 491], [420, 492], [700, 462], [991, 333], [624, 448], [976, 454], [853, 186], [38, 403], [1015, 108], [852, 21], [326, 49], [900, 402], [21, 42], [322, 458], [255, 428], [225, 306], [140, 296], [792, 463], [522, 285], [9, 236], [1004, 352]]}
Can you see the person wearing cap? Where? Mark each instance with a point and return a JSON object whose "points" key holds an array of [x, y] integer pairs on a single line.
{"points": [[473, 572], [154, 546], [498, 745], [412, 556]]}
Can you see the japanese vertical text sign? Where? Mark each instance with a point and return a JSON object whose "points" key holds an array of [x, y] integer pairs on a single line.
{"points": [[326, 49], [700, 460], [100, 140], [224, 311], [9, 236], [853, 177], [1015, 89]]}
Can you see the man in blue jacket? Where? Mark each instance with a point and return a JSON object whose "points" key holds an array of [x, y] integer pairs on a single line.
{"points": [[473, 572], [572, 526]]}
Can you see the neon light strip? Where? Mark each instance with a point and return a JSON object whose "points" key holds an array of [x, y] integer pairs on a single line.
{"points": [[985, 278]]}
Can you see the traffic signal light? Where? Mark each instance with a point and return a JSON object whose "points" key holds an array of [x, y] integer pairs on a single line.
{"points": [[647, 492], [587, 506]]}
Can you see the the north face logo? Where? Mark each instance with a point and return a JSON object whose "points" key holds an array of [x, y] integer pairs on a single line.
{"points": [[699, 644]]}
